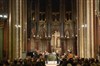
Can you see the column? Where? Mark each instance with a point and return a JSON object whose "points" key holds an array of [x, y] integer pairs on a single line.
{"points": [[86, 28], [77, 20], [49, 45], [37, 23], [93, 28], [16, 28], [5, 41], [90, 28], [62, 46], [62, 16], [1, 41], [97, 29], [49, 20], [29, 18], [24, 24], [80, 28], [73, 16], [37, 16], [97, 45], [62, 19], [21, 28], [11, 28]]}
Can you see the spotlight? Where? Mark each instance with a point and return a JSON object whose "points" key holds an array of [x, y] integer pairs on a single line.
{"points": [[1, 16], [5, 16]]}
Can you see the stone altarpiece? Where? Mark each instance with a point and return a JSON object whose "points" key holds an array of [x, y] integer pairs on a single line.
{"points": [[52, 27], [36, 22]]}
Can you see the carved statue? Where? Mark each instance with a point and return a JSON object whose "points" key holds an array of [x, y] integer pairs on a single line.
{"points": [[68, 29], [42, 28], [55, 25]]}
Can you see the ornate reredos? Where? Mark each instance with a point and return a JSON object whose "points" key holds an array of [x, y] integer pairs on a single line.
{"points": [[42, 28], [68, 27], [55, 25]]}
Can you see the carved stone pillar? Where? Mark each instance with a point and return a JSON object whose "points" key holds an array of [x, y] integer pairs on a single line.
{"points": [[85, 14], [49, 20], [28, 45], [16, 28], [62, 16], [13, 31], [90, 28], [49, 45], [97, 37], [36, 44], [65, 45], [6, 43], [75, 46], [37, 16], [24, 24], [62, 19], [2, 39], [62, 46], [80, 30]]}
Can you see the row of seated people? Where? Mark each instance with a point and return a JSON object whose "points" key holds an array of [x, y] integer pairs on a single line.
{"points": [[28, 61], [70, 60], [38, 59], [79, 62], [41, 62]]}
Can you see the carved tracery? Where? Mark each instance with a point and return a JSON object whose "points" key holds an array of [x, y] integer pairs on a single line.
{"points": [[42, 29]]}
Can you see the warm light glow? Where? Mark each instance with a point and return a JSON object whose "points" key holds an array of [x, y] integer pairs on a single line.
{"points": [[40, 37], [85, 25], [68, 37], [33, 18], [17, 26], [49, 36], [72, 35], [82, 25], [5, 16], [33, 35], [37, 35], [45, 35], [1, 15], [65, 35], [62, 36]]}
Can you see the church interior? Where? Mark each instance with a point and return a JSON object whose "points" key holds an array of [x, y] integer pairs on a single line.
{"points": [[49, 25]]}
